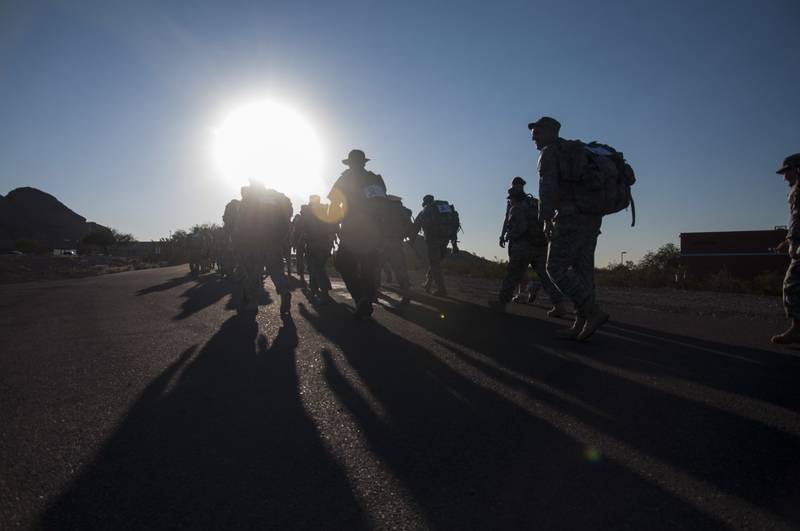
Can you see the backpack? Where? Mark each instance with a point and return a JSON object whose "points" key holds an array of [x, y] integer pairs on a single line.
{"points": [[445, 220], [313, 229], [599, 177], [265, 216], [397, 222], [535, 230]]}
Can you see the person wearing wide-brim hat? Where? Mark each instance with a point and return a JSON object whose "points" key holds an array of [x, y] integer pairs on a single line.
{"points": [[352, 197], [790, 169], [355, 158]]}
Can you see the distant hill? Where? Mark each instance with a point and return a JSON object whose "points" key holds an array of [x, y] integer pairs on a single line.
{"points": [[28, 213]]}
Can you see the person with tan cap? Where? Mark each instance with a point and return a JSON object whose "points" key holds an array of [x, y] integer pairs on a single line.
{"points": [[572, 234], [790, 169]]}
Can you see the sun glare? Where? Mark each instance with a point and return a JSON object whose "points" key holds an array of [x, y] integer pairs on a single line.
{"points": [[271, 143]]}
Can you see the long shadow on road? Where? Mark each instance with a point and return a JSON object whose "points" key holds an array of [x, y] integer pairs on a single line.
{"points": [[723, 417], [164, 286], [473, 458], [219, 440], [207, 289]]}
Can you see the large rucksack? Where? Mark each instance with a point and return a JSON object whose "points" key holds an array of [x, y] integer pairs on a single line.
{"points": [[397, 219], [264, 217], [599, 177], [535, 230], [445, 220]]}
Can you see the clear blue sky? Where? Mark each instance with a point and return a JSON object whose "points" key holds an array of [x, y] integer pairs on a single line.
{"points": [[112, 109]]}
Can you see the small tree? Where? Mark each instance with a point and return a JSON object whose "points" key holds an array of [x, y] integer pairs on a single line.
{"points": [[101, 238], [122, 238], [667, 258]]}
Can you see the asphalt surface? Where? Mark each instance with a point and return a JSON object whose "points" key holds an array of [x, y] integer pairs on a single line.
{"points": [[142, 400]]}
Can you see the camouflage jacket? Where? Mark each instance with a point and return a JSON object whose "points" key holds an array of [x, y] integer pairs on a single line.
{"points": [[549, 170], [521, 222], [427, 221], [794, 214]]}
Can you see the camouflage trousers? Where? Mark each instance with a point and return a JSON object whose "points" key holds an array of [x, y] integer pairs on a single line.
{"points": [[436, 253], [570, 257], [521, 254], [359, 270], [392, 254], [301, 254], [791, 290], [318, 279], [252, 267]]}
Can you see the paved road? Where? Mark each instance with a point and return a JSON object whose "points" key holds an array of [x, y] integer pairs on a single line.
{"points": [[142, 401]]}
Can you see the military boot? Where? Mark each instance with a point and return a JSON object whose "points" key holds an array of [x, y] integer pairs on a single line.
{"points": [[561, 310], [428, 285], [286, 302], [572, 332], [363, 308], [595, 318], [790, 336], [405, 296]]}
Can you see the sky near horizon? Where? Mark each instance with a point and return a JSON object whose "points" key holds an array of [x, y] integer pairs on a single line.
{"points": [[112, 107]]}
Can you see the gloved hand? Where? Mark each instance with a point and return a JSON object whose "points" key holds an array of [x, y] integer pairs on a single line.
{"points": [[502, 242]]}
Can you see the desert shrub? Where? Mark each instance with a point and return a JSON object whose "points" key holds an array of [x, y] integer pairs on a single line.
{"points": [[768, 283], [724, 281], [29, 246]]}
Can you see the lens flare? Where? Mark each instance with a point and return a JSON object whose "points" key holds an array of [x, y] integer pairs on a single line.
{"points": [[592, 454]]}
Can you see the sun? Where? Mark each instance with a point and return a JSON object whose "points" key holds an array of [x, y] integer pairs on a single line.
{"points": [[272, 143]]}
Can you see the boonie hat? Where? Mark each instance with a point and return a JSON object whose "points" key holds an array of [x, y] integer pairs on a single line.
{"points": [[518, 180], [355, 155]]}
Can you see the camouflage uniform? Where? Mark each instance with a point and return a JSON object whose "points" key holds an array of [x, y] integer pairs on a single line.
{"points": [[357, 259], [791, 282], [227, 257], [436, 245], [398, 228], [259, 234], [195, 246], [318, 236], [570, 258], [297, 243], [395, 259], [526, 246]]}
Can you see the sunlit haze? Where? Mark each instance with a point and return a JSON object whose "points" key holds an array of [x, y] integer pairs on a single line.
{"points": [[269, 142]]}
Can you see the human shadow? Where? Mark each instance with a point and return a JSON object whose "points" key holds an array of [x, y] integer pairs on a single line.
{"points": [[209, 289], [219, 440], [169, 284], [724, 415], [470, 457]]}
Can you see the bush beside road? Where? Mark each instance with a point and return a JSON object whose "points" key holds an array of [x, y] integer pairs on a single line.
{"points": [[28, 268]]}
